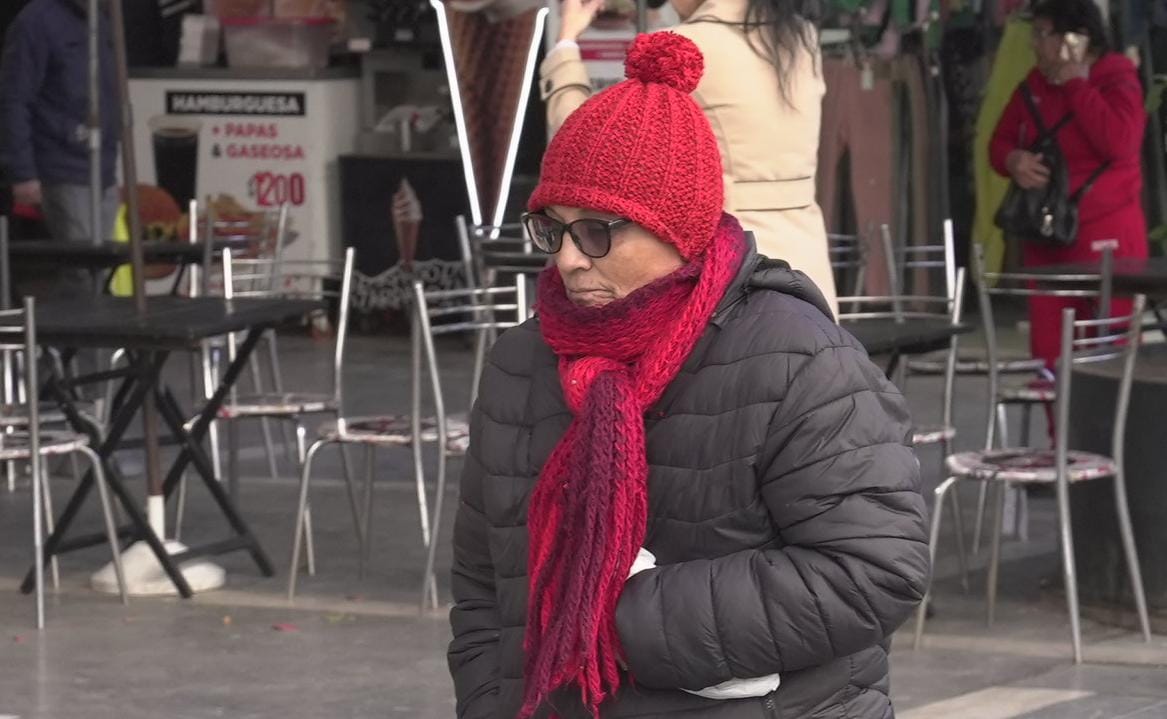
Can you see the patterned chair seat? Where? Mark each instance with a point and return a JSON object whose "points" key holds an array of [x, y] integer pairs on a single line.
{"points": [[397, 430], [1027, 465], [277, 405], [1037, 391], [16, 445], [932, 435]]}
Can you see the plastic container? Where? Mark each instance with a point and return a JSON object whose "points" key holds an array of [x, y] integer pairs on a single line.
{"points": [[278, 42]]}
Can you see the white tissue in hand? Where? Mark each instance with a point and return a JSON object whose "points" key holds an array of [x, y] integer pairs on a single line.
{"points": [[740, 688], [644, 560]]}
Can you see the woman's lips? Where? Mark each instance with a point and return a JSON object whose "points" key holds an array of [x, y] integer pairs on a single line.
{"points": [[589, 296]]}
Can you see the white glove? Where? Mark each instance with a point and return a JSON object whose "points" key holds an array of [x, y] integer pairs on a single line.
{"points": [[732, 689]]}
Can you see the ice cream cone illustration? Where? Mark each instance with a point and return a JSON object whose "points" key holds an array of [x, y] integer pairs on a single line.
{"points": [[406, 223]]}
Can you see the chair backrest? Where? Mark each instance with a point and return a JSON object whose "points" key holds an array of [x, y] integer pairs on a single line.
{"points": [[848, 257], [18, 337], [254, 234], [1024, 285], [474, 309], [1087, 341], [914, 265], [489, 252], [326, 281]]}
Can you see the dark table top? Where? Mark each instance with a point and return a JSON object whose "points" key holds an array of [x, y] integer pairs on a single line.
{"points": [[169, 322], [106, 255], [880, 336], [1131, 276]]}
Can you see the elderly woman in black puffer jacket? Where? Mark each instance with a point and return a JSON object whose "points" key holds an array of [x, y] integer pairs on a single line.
{"points": [[688, 492]]}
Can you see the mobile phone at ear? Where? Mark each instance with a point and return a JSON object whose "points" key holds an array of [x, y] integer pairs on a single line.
{"points": [[1073, 47]]}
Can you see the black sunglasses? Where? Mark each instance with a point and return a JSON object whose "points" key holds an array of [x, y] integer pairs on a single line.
{"points": [[592, 236]]}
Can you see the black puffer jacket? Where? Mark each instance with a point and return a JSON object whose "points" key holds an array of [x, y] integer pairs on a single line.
{"points": [[785, 515]]}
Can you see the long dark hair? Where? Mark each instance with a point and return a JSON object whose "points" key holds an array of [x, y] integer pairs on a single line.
{"points": [[1080, 16], [785, 27]]}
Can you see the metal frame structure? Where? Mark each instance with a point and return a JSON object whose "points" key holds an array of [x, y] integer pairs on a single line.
{"points": [[1082, 342], [34, 443]]}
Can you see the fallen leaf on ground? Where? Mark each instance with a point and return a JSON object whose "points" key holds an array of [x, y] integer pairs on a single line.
{"points": [[285, 627]]}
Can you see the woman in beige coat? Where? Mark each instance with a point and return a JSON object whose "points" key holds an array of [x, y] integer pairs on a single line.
{"points": [[762, 92]]}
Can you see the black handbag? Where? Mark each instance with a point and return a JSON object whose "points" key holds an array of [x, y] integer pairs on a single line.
{"points": [[1047, 216]]}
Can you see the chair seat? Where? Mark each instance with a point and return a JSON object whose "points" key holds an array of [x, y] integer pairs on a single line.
{"points": [[16, 445], [397, 430], [1038, 391], [932, 435], [16, 415], [1029, 465], [277, 405], [936, 363]]}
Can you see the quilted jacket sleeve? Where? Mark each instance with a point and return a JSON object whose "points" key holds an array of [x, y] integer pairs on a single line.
{"points": [[843, 492], [473, 653]]}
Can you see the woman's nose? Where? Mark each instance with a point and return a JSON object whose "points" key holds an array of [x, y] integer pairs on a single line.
{"points": [[569, 258]]}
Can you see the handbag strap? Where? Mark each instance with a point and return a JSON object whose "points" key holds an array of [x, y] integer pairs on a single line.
{"points": [[1089, 182], [1027, 95], [1031, 104]]}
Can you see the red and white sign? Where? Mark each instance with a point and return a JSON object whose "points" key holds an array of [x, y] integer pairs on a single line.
{"points": [[252, 145]]}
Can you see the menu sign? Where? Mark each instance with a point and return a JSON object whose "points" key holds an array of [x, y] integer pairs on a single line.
{"points": [[249, 146], [248, 150]]}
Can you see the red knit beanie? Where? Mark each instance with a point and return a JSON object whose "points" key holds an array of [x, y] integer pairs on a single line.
{"points": [[642, 149]]}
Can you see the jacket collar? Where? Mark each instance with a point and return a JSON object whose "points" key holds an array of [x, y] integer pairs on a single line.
{"points": [[759, 272]]}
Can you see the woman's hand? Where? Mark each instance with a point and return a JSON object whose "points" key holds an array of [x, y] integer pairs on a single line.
{"points": [[575, 16], [1070, 71], [1027, 169]]}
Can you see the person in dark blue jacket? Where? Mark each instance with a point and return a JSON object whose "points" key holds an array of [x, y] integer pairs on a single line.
{"points": [[44, 105]]}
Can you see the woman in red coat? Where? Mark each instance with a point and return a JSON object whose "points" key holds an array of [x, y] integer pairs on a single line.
{"points": [[1100, 90]]}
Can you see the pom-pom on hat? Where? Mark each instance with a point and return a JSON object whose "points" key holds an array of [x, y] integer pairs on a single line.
{"points": [[642, 149]]}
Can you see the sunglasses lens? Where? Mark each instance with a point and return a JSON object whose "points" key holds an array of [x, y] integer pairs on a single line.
{"points": [[593, 237], [545, 232]]}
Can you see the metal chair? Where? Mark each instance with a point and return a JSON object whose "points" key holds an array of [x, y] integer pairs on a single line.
{"points": [[35, 443], [435, 313], [1025, 394], [325, 281], [848, 257], [1083, 341], [915, 308], [490, 253], [976, 364], [264, 240]]}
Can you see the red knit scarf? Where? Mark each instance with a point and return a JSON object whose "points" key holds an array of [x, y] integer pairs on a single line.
{"points": [[588, 513]]}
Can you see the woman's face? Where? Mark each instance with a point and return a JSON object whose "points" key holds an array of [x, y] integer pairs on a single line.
{"points": [[1047, 45], [637, 258]]}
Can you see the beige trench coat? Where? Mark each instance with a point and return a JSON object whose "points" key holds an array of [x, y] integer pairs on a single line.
{"points": [[769, 147]]}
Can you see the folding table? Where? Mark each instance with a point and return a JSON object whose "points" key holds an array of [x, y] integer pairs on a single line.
{"points": [[169, 323]]}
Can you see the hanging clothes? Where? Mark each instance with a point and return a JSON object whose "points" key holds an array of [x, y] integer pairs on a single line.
{"points": [[857, 122], [1012, 63]]}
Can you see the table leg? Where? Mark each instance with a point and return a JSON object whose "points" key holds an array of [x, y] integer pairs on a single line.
{"points": [[192, 452]]}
